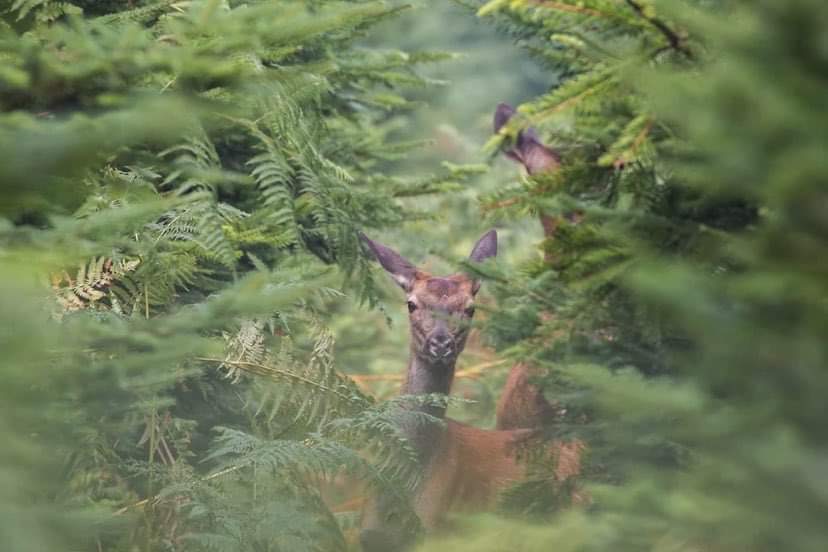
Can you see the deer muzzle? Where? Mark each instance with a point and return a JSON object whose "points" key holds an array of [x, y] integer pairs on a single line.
{"points": [[440, 346]]}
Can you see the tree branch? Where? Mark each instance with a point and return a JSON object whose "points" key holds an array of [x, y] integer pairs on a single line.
{"points": [[560, 6], [471, 372], [676, 42]]}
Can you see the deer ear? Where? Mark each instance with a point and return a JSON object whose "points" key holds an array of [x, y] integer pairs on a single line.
{"points": [[528, 149], [502, 115], [485, 247], [534, 154], [400, 269]]}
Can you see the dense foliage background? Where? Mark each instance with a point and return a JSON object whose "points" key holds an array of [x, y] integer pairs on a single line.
{"points": [[194, 342]]}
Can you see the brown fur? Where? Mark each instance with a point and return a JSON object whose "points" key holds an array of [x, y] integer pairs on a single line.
{"points": [[451, 293], [464, 467], [472, 467], [536, 158], [521, 403]]}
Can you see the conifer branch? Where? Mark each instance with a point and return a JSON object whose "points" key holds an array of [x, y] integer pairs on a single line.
{"points": [[569, 8], [676, 42], [470, 372]]}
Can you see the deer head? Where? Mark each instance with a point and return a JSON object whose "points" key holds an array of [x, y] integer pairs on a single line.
{"points": [[440, 309], [528, 150]]}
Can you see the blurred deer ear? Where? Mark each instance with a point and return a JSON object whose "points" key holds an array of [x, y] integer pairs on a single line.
{"points": [[502, 115], [400, 269], [485, 247], [534, 154], [528, 149]]}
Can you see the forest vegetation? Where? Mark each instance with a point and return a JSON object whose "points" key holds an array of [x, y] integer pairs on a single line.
{"points": [[198, 350]]}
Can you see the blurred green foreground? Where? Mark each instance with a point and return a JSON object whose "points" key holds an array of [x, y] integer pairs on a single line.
{"points": [[183, 297]]}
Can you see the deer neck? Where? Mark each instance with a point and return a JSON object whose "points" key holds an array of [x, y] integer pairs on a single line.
{"points": [[424, 377]]}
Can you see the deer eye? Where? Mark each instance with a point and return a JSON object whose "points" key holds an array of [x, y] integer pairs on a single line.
{"points": [[469, 312], [411, 306]]}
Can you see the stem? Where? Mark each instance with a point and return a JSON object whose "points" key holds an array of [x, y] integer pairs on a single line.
{"points": [[676, 42], [146, 301], [263, 370], [145, 501], [152, 445], [471, 372], [570, 8]]}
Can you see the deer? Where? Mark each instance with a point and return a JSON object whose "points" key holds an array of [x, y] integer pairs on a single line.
{"points": [[463, 467], [536, 158], [521, 403]]}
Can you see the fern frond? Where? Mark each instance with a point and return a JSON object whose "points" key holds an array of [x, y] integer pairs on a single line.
{"points": [[92, 283]]}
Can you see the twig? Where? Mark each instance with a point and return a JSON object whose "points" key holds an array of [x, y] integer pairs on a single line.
{"points": [[560, 6], [676, 42], [475, 371], [349, 505], [569, 101], [470, 372], [501, 204], [133, 505], [156, 497], [263, 370], [639, 139]]}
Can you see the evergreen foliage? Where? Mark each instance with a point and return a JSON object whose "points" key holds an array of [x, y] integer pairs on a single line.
{"points": [[182, 187], [680, 319], [183, 182]]}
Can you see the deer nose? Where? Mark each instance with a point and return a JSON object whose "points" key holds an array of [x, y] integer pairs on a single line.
{"points": [[440, 345]]}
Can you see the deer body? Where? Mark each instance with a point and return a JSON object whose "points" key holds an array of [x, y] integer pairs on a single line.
{"points": [[472, 466], [464, 467]]}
